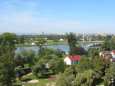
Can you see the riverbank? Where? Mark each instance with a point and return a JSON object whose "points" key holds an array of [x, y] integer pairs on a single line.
{"points": [[49, 43]]}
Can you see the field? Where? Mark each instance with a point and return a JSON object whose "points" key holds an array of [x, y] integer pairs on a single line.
{"points": [[31, 80]]}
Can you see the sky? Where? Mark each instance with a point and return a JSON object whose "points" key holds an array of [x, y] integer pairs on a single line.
{"points": [[57, 16]]}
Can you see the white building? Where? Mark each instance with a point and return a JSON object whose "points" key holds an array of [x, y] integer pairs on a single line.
{"points": [[73, 59]]}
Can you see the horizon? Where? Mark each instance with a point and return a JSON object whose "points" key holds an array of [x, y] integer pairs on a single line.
{"points": [[59, 16], [60, 33]]}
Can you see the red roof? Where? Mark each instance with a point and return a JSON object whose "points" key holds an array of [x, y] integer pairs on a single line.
{"points": [[74, 57]]}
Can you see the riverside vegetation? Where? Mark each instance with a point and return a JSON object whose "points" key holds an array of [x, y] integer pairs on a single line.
{"points": [[48, 64]]}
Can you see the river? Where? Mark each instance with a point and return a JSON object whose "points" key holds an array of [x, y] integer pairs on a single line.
{"points": [[64, 48]]}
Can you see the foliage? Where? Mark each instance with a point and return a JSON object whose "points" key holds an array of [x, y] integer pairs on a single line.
{"points": [[72, 41], [73, 45], [109, 43], [6, 70], [7, 49], [84, 64], [56, 65], [97, 63], [40, 70], [20, 39], [88, 72], [49, 52], [109, 74], [67, 78], [8, 39], [52, 60], [25, 57], [84, 79], [40, 43], [93, 52]]}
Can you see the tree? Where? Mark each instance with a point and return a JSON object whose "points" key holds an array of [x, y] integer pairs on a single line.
{"points": [[109, 43], [84, 64], [72, 41], [8, 39], [99, 70], [113, 42], [7, 73], [40, 71], [52, 61], [84, 78], [7, 51], [93, 52], [67, 78], [40, 43], [109, 74], [25, 57], [56, 65]]}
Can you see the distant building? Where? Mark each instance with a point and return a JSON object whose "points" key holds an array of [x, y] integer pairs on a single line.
{"points": [[72, 59]]}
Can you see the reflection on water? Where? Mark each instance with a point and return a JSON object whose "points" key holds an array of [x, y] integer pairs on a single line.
{"points": [[64, 48]]}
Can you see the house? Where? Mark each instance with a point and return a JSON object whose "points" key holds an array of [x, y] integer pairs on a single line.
{"points": [[113, 56], [72, 59], [108, 55], [105, 56], [113, 53]]}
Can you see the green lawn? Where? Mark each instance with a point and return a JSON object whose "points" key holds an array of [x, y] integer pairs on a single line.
{"points": [[41, 82], [49, 42]]}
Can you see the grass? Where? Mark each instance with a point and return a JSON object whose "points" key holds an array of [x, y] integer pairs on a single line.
{"points": [[41, 82], [49, 42], [52, 42]]}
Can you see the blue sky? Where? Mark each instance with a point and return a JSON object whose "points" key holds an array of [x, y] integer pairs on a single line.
{"points": [[57, 16]]}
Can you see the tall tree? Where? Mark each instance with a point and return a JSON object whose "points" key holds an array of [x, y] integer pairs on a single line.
{"points": [[109, 43], [72, 41], [40, 43], [7, 51]]}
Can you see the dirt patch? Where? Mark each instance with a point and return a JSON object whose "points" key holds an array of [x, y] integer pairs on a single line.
{"points": [[33, 81], [50, 84]]}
